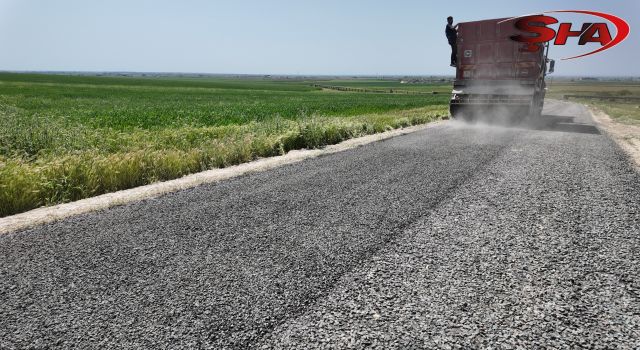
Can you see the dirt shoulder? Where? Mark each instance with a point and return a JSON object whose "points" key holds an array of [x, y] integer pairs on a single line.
{"points": [[626, 135]]}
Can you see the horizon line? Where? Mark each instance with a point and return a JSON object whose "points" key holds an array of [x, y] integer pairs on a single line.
{"points": [[367, 75]]}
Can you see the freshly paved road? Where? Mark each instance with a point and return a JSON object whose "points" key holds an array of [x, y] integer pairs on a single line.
{"points": [[452, 236]]}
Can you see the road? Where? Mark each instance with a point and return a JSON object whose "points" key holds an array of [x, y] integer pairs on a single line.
{"points": [[456, 235]]}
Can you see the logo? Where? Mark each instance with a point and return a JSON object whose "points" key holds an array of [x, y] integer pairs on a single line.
{"points": [[599, 33]]}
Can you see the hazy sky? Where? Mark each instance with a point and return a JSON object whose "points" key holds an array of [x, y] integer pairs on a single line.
{"points": [[273, 36]]}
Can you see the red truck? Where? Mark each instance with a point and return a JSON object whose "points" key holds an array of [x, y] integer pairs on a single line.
{"points": [[495, 72]]}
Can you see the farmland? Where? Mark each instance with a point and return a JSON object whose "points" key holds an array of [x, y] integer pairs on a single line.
{"points": [[64, 138], [619, 99]]}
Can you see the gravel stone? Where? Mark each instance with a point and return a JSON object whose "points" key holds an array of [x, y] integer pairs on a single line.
{"points": [[452, 237]]}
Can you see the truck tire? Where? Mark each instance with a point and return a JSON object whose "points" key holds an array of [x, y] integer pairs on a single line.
{"points": [[461, 112], [535, 109], [455, 111]]}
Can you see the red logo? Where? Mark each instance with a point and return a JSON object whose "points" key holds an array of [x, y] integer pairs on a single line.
{"points": [[587, 33]]}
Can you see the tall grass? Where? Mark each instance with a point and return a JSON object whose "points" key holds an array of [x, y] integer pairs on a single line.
{"points": [[59, 144], [49, 180]]}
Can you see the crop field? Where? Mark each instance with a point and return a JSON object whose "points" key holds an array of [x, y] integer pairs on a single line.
{"points": [[438, 87], [64, 138], [619, 99]]}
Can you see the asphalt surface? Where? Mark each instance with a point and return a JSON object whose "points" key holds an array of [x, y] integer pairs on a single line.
{"points": [[454, 236]]}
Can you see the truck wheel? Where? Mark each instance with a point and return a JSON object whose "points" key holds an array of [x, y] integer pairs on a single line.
{"points": [[461, 112], [535, 109], [455, 111]]}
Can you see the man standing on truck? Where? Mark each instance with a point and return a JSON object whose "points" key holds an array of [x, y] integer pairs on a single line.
{"points": [[452, 36]]}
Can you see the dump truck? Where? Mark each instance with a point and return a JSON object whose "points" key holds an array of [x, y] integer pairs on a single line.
{"points": [[497, 76]]}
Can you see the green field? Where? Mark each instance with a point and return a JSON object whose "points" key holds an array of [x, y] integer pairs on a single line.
{"points": [[64, 138], [625, 109], [440, 87]]}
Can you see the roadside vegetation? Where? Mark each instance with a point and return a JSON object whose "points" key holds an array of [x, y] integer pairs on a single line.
{"points": [[64, 138], [618, 99]]}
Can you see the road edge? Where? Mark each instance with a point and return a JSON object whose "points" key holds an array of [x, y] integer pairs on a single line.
{"points": [[625, 136], [45, 215]]}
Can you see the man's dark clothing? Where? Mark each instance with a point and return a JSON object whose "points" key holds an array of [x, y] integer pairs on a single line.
{"points": [[452, 37]]}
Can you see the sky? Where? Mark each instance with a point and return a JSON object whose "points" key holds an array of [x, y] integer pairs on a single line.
{"points": [[328, 37]]}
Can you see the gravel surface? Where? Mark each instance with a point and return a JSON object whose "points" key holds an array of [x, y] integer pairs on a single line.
{"points": [[455, 236]]}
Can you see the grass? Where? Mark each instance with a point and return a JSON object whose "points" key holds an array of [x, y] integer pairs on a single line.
{"points": [[395, 85], [628, 113], [64, 138], [624, 111]]}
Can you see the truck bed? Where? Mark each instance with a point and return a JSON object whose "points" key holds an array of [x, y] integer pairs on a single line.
{"points": [[486, 52], [496, 73]]}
